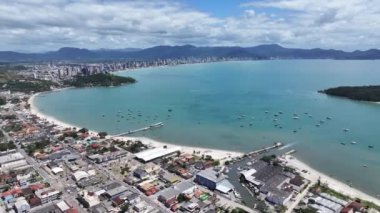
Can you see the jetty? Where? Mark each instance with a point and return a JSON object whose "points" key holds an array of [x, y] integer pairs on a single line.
{"points": [[155, 125], [265, 149]]}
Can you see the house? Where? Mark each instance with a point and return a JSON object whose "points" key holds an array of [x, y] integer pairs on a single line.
{"points": [[298, 183], [141, 174], [48, 194], [21, 205], [78, 175], [63, 206], [168, 177], [112, 193], [213, 180]]}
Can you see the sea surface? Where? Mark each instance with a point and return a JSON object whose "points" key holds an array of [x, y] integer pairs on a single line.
{"points": [[233, 106]]}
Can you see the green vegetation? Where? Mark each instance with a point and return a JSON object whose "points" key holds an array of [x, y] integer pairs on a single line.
{"points": [[237, 210], [8, 67], [100, 79], [36, 146], [13, 127], [102, 134], [3, 101], [7, 146], [135, 147], [306, 210], [360, 93], [268, 158], [8, 116], [27, 86], [325, 189], [182, 198]]}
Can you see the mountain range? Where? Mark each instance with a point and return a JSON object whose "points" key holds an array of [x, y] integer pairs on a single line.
{"points": [[267, 51]]}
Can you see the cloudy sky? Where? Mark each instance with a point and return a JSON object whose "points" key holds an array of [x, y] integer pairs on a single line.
{"points": [[41, 25]]}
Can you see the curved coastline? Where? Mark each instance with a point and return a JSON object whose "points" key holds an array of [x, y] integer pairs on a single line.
{"points": [[215, 153], [291, 161]]}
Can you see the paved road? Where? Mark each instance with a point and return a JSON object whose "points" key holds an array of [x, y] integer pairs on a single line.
{"points": [[299, 197]]}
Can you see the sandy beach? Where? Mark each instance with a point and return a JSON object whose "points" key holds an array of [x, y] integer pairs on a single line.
{"points": [[334, 184]]}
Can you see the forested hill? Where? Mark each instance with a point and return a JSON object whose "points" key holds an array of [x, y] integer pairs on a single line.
{"points": [[360, 93], [100, 79]]}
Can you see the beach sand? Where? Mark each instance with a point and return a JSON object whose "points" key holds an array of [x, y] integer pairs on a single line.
{"points": [[224, 155], [332, 183]]}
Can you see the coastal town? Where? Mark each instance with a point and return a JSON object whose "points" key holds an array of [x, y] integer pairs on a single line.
{"points": [[49, 166]]}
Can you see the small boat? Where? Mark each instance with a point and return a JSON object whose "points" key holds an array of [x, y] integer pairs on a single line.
{"points": [[294, 131], [170, 110], [280, 112], [266, 112], [328, 118], [310, 116], [343, 143], [346, 130], [353, 142], [296, 117], [318, 125], [370, 146], [365, 166]]}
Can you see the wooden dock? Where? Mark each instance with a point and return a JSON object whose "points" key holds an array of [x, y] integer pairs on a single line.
{"points": [[156, 125]]}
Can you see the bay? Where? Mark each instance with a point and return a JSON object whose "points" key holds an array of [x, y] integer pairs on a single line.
{"points": [[223, 105]]}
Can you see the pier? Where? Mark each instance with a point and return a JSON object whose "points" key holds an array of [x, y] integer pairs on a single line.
{"points": [[156, 125], [265, 149]]}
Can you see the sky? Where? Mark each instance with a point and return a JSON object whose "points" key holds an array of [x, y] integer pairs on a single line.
{"points": [[46, 25]]}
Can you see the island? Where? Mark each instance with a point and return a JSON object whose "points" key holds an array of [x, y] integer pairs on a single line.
{"points": [[100, 79], [360, 93]]}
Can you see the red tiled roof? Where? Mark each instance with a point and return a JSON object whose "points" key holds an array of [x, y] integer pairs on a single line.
{"points": [[72, 210]]}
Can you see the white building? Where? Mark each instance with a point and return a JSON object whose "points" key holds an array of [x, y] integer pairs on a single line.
{"points": [[21, 205], [48, 194], [152, 154]]}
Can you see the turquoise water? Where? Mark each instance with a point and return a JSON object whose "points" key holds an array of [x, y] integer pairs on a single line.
{"points": [[222, 105]]}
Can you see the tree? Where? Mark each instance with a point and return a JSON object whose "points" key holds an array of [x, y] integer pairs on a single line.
{"points": [[102, 134], [3, 101]]}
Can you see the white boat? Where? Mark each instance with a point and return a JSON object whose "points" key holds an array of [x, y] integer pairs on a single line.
{"points": [[353, 142], [296, 117], [346, 130]]}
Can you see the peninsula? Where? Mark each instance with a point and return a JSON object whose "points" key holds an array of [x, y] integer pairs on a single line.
{"points": [[99, 79], [360, 93]]}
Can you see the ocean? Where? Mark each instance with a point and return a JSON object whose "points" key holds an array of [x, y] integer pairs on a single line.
{"points": [[243, 106]]}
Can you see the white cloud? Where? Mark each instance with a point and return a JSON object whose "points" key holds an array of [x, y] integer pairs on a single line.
{"points": [[38, 25]]}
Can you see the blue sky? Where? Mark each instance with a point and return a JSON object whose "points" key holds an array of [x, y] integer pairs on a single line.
{"points": [[40, 25]]}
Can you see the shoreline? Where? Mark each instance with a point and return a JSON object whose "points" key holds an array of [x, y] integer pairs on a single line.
{"points": [[224, 155], [339, 186], [217, 154]]}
